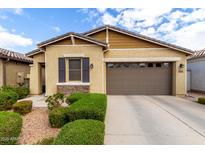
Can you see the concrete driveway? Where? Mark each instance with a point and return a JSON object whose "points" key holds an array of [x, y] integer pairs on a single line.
{"points": [[154, 120]]}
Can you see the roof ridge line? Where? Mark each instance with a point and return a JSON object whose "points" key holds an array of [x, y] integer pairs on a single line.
{"points": [[67, 35]]}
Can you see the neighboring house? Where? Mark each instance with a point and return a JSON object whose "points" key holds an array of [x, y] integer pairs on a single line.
{"points": [[196, 71], [109, 60], [14, 68]]}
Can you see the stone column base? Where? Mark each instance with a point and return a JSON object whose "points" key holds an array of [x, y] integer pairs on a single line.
{"points": [[69, 89]]}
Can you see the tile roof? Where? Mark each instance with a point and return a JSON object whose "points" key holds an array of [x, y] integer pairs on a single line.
{"points": [[198, 54], [4, 53], [139, 36]]}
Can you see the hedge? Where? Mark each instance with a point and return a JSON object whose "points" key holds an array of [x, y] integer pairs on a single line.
{"points": [[57, 117], [75, 97], [10, 127], [46, 141], [201, 100], [7, 99], [90, 106], [81, 132], [23, 107], [21, 91]]}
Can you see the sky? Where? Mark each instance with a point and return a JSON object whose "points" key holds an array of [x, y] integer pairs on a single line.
{"points": [[22, 29]]}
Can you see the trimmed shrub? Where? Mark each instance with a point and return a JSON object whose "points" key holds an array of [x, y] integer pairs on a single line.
{"points": [[21, 91], [46, 141], [7, 99], [57, 117], [23, 107], [81, 132], [201, 100], [90, 106], [75, 97], [55, 100], [10, 127]]}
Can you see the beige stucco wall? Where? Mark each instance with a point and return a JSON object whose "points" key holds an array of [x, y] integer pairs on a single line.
{"points": [[35, 74], [1, 73], [11, 70], [95, 54], [98, 73], [178, 83]]}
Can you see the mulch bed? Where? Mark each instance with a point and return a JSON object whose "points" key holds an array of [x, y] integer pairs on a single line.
{"points": [[36, 127]]}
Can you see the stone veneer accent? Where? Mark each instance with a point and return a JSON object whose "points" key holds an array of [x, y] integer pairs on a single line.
{"points": [[69, 89]]}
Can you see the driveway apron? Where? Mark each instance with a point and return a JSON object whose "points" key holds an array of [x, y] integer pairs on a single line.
{"points": [[154, 120]]}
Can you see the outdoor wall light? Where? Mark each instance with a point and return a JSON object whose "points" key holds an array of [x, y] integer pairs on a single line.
{"points": [[91, 66], [181, 67]]}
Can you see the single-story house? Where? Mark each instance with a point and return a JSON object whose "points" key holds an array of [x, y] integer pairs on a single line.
{"points": [[108, 60], [14, 68], [196, 71]]}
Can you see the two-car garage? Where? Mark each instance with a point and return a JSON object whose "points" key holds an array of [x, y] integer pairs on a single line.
{"points": [[144, 78]]}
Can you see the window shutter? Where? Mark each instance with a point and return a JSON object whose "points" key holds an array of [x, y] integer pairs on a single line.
{"points": [[86, 70], [61, 69]]}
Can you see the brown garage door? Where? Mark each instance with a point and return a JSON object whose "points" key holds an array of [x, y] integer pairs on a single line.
{"points": [[139, 78]]}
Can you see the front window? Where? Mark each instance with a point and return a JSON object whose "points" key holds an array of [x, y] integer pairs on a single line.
{"points": [[75, 69]]}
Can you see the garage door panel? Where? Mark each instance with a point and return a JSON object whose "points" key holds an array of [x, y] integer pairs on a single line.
{"points": [[140, 81]]}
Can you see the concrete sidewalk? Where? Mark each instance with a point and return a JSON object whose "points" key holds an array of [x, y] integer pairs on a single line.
{"points": [[39, 100]]}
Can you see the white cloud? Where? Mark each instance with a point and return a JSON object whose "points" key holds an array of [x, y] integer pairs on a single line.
{"points": [[167, 27], [9, 40], [149, 32], [4, 13], [131, 18], [177, 15], [177, 30], [101, 10], [196, 15], [18, 11], [119, 9], [109, 19], [83, 10], [2, 29], [3, 17], [192, 36], [91, 14], [185, 27], [56, 28], [13, 30]]}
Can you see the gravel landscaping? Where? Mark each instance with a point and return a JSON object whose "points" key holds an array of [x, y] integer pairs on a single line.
{"points": [[36, 127], [38, 124]]}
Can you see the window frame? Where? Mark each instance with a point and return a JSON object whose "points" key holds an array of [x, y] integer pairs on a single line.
{"points": [[68, 69], [158, 65]]}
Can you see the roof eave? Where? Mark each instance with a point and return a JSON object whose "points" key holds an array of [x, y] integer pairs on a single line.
{"points": [[94, 30], [15, 56], [15, 59], [30, 54], [198, 54], [40, 45], [153, 41], [189, 52]]}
